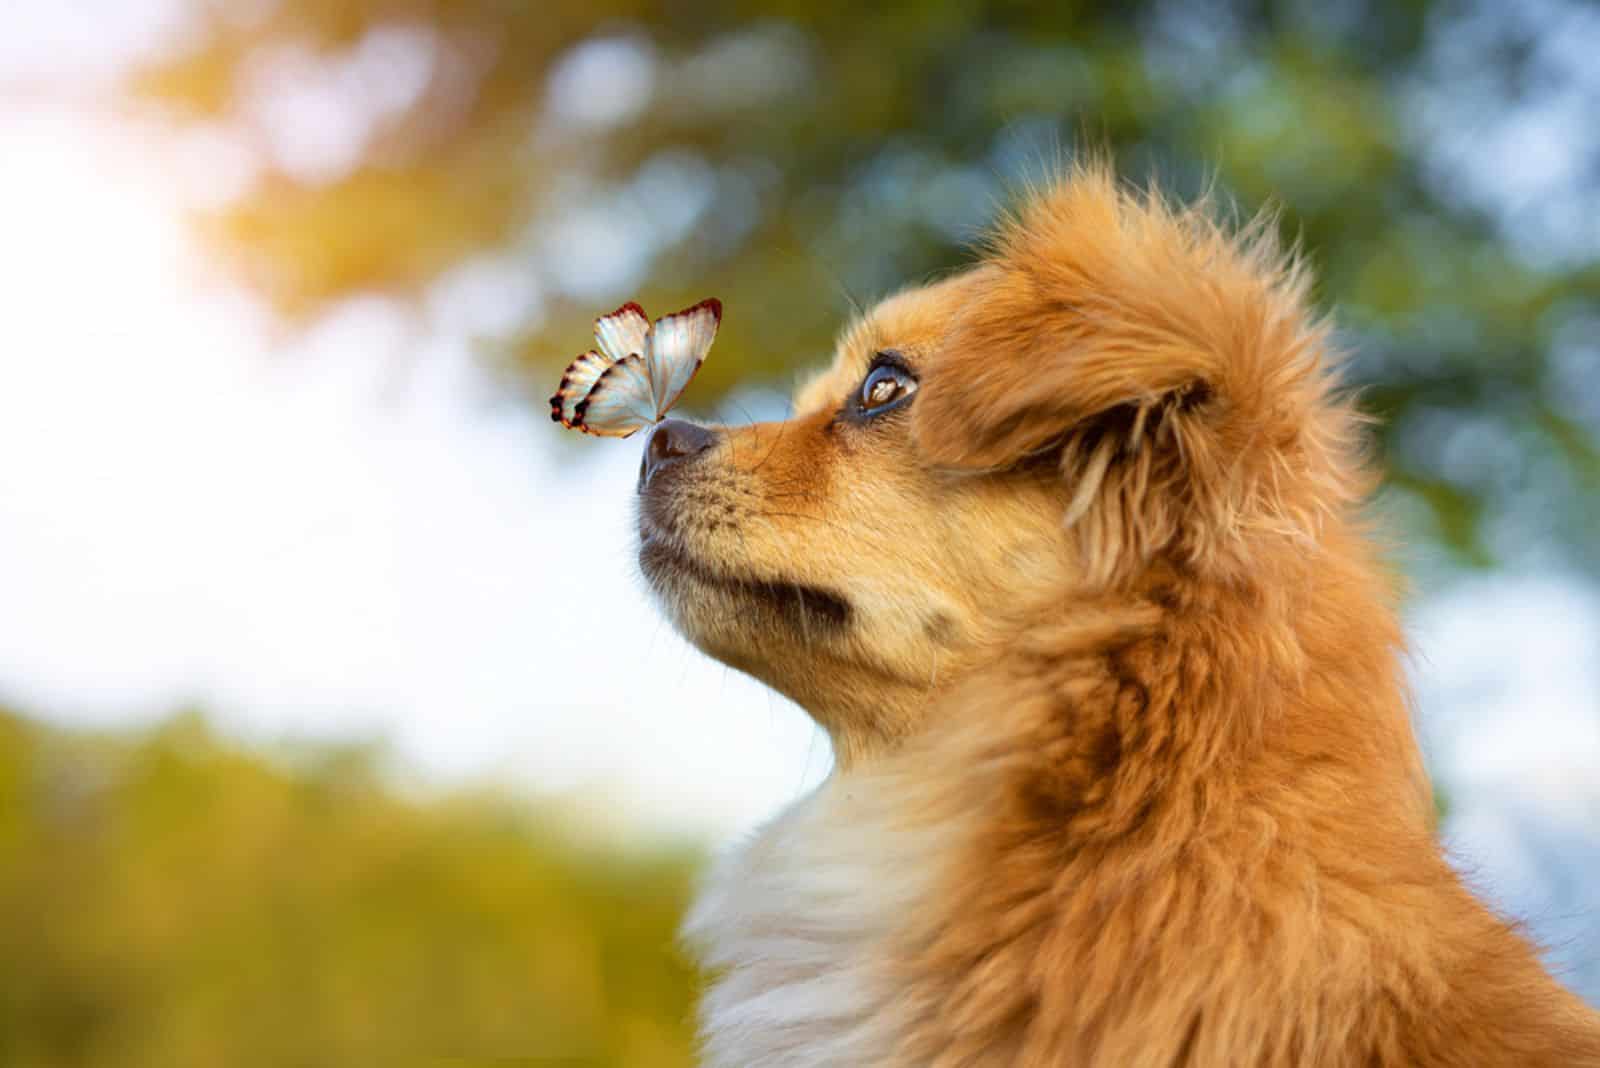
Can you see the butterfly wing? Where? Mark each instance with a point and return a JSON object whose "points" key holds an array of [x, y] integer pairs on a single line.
{"points": [[620, 402], [622, 333], [678, 346], [576, 382]]}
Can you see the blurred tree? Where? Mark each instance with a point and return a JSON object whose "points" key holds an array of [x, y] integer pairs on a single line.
{"points": [[169, 902], [1437, 160]]}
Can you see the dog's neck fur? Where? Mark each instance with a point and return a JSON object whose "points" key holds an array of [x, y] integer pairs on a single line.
{"points": [[799, 923], [1097, 853]]}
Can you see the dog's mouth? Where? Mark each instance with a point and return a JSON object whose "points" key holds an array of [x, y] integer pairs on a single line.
{"points": [[669, 568]]}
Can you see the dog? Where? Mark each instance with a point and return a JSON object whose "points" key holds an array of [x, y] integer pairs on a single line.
{"points": [[1066, 554]]}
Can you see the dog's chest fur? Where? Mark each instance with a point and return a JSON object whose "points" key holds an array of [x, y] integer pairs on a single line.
{"points": [[796, 924]]}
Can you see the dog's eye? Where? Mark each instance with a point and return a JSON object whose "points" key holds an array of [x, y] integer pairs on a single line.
{"points": [[886, 385]]}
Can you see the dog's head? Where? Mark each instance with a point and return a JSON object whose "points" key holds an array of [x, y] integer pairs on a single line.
{"points": [[1118, 389]]}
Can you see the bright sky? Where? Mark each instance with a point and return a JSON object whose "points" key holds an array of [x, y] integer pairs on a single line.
{"points": [[341, 533], [352, 533]]}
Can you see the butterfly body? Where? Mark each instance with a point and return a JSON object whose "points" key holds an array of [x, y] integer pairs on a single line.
{"points": [[638, 372]]}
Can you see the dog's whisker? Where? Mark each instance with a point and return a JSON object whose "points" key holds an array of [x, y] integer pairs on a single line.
{"points": [[776, 441]]}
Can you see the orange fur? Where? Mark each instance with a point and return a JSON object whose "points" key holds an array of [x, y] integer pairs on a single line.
{"points": [[1126, 770]]}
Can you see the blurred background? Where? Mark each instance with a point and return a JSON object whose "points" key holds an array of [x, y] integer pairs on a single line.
{"points": [[315, 747]]}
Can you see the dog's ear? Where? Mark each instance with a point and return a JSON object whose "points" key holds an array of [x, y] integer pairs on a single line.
{"points": [[1025, 368], [1093, 299], [1169, 365]]}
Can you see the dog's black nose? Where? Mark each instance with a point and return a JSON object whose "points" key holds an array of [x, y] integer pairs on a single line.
{"points": [[673, 442]]}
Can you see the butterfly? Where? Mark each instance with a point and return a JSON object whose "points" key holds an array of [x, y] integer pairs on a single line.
{"points": [[639, 371]]}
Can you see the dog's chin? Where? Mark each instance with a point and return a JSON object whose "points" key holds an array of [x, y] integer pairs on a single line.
{"points": [[713, 605]]}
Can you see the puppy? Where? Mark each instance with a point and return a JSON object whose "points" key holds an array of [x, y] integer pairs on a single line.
{"points": [[1065, 553]]}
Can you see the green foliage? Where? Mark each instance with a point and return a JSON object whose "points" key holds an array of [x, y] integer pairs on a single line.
{"points": [[168, 901]]}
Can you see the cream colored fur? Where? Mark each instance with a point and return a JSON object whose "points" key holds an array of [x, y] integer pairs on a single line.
{"points": [[798, 922]]}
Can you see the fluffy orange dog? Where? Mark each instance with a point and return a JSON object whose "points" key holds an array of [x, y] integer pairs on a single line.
{"points": [[1065, 553]]}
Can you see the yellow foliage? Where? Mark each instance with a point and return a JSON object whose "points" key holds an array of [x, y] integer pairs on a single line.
{"points": [[168, 900]]}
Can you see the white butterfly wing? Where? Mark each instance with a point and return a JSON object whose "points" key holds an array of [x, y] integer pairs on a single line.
{"points": [[623, 333], [620, 402], [678, 346], [576, 382]]}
